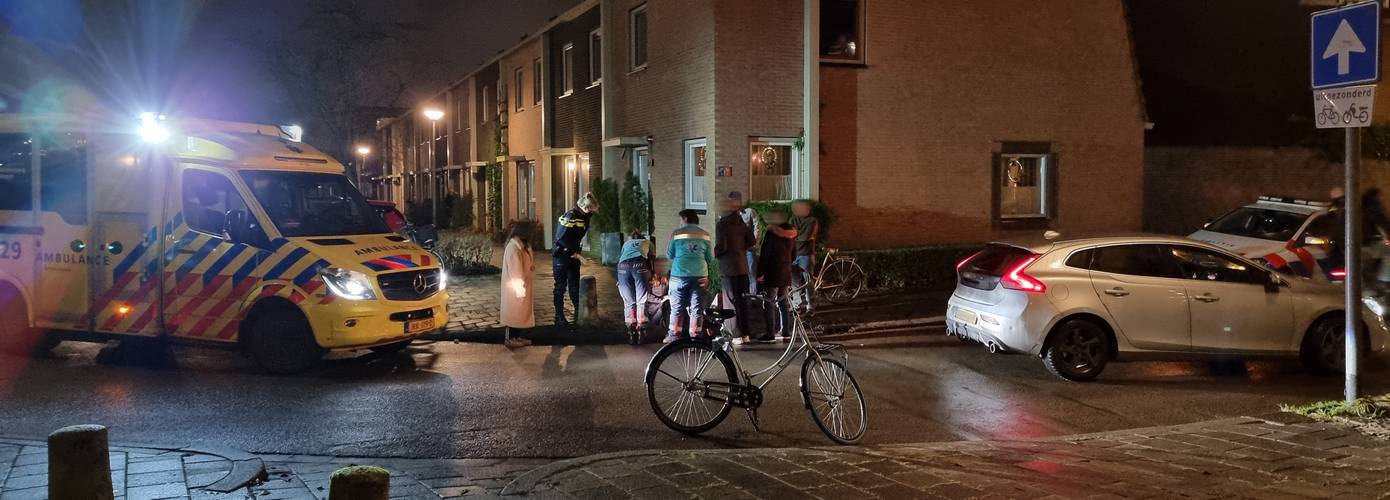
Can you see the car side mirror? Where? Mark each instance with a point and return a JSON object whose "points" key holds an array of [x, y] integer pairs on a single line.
{"points": [[1314, 241], [1273, 283], [425, 236], [235, 225]]}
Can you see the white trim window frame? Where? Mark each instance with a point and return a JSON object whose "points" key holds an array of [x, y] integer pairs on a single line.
{"points": [[696, 174], [487, 94], [1025, 180], [595, 58], [520, 76], [792, 159], [567, 70], [637, 48], [848, 49], [536, 82], [642, 167]]}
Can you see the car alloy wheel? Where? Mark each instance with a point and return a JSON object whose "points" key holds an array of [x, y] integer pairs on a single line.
{"points": [[1078, 351]]}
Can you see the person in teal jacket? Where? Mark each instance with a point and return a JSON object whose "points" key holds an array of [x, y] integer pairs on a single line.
{"points": [[691, 253]]}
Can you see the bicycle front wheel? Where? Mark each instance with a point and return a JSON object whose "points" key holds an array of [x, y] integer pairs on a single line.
{"points": [[841, 281], [688, 385], [833, 398]]}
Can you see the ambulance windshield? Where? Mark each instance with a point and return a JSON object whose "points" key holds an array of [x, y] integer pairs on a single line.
{"points": [[313, 204]]}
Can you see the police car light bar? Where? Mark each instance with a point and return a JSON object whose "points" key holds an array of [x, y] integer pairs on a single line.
{"points": [[1294, 201]]}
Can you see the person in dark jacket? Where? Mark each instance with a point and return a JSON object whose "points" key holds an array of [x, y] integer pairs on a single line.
{"points": [[1375, 228], [732, 240], [569, 238], [775, 271]]}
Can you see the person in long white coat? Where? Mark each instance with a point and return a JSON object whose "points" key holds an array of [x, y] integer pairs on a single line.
{"points": [[518, 272]]}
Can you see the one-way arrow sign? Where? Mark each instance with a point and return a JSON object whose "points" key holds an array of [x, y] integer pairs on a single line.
{"points": [[1345, 45]]}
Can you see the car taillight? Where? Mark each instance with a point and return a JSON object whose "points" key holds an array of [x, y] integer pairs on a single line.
{"points": [[967, 260], [1017, 279], [1338, 274]]}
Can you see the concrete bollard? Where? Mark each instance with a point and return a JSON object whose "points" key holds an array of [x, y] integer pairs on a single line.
{"points": [[588, 301], [360, 482], [79, 464]]}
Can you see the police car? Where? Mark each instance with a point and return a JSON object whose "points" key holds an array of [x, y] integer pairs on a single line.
{"points": [[1287, 234]]}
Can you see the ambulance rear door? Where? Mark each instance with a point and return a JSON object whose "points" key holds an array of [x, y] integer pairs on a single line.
{"points": [[128, 189]]}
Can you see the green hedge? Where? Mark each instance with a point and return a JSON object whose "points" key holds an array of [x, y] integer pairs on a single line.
{"points": [[921, 268], [822, 212]]}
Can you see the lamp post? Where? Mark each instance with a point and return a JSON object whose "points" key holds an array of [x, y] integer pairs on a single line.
{"points": [[434, 115], [362, 152]]}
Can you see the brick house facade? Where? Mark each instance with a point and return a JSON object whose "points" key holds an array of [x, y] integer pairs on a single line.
{"points": [[928, 122]]}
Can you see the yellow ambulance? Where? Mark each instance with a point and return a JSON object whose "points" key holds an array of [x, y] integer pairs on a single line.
{"points": [[203, 232]]}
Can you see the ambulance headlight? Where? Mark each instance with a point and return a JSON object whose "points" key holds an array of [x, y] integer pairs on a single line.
{"points": [[348, 284]]}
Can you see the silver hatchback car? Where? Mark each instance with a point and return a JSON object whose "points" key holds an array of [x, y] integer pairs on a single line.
{"points": [[1080, 304]]}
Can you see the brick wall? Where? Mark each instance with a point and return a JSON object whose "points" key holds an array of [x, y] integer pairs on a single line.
{"points": [[672, 99], [758, 81], [907, 140], [1187, 186], [578, 117]]}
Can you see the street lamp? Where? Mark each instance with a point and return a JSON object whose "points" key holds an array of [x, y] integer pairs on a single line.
{"points": [[434, 115], [361, 151]]}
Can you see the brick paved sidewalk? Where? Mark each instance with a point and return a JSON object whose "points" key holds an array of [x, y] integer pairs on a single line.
{"points": [[136, 473], [1277, 456], [474, 301], [1236, 458]]}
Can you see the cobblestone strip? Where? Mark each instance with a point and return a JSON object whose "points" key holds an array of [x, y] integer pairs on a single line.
{"points": [[474, 301], [1237, 458], [306, 477]]}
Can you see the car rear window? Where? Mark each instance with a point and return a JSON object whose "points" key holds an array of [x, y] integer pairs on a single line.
{"points": [[984, 268]]}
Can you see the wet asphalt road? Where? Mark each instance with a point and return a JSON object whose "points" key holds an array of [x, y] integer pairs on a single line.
{"points": [[482, 400]]}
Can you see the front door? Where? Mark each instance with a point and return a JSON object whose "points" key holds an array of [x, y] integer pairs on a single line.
{"points": [[206, 275], [1231, 308], [1141, 289]]}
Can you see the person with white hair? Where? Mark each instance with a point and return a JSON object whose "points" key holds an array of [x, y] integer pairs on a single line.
{"points": [[569, 239]]}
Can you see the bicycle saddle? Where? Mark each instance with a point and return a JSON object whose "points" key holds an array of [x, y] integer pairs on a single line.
{"points": [[718, 314]]}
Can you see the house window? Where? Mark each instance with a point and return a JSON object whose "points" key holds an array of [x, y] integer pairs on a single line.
{"points": [[595, 58], [582, 176], [1025, 183], [520, 89], [641, 168], [536, 81], [487, 104], [637, 42], [842, 31], [774, 169], [696, 182], [567, 72]]}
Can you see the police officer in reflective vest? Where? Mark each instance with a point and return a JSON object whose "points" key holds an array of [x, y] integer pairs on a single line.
{"points": [[569, 237]]}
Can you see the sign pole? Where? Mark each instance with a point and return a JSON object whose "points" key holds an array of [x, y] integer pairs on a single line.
{"points": [[1352, 249]]}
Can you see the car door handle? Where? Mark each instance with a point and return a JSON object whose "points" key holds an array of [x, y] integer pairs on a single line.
{"points": [[1117, 292], [1207, 297]]}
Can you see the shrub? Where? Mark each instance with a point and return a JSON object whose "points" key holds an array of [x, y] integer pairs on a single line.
{"points": [[461, 215], [465, 252], [932, 268], [819, 210], [632, 205]]}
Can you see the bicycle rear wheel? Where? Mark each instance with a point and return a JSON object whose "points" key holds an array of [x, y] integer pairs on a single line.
{"points": [[841, 281], [688, 384], [832, 396]]}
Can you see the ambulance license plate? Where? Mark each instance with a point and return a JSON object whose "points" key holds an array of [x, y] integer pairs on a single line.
{"points": [[419, 325]]}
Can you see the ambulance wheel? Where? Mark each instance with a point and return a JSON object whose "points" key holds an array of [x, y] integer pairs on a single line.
{"points": [[16, 336], [282, 341]]}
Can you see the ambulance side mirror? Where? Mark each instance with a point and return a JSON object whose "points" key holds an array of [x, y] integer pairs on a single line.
{"points": [[1314, 241], [237, 227]]}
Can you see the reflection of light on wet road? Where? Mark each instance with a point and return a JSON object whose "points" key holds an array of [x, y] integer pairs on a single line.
{"points": [[116, 395]]}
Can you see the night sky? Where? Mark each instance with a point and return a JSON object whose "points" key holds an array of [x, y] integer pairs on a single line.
{"points": [[201, 58]]}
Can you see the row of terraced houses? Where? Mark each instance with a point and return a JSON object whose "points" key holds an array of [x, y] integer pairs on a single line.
{"points": [[916, 121]]}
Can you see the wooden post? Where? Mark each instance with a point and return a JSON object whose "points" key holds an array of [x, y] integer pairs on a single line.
{"points": [[588, 301]]}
